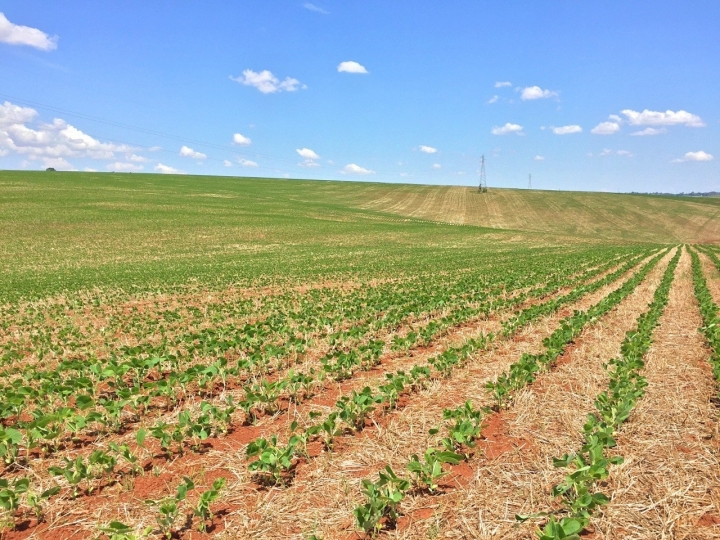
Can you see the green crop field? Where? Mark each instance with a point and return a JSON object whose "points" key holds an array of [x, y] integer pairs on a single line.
{"points": [[198, 356]]}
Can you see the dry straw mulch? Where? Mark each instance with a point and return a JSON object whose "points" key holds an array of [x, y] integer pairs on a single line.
{"points": [[669, 485]]}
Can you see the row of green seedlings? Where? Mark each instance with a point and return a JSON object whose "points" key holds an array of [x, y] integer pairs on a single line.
{"points": [[82, 473], [18, 493], [261, 396], [214, 420], [534, 312], [195, 429], [529, 366], [282, 328], [424, 335], [275, 461], [383, 497], [252, 339], [709, 313], [591, 464], [211, 419], [353, 409], [339, 363], [318, 302], [172, 511]]}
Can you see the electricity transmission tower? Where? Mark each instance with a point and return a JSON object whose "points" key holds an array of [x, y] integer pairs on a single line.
{"points": [[482, 187]]}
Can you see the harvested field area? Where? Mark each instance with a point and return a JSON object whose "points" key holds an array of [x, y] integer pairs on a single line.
{"points": [[350, 374]]}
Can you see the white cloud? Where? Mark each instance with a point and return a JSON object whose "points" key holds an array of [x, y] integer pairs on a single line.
{"points": [[186, 151], [307, 153], [437, 166], [501, 84], [427, 149], [58, 163], [246, 162], [535, 92], [507, 128], [351, 67], [14, 34], [137, 159], [166, 169], [493, 99], [649, 131], [15, 114], [539, 158], [52, 140], [695, 156], [615, 118], [659, 118], [266, 82], [356, 169], [606, 128], [124, 167], [241, 140], [313, 7], [308, 163], [227, 163], [608, 152], [89, 169], [566, 130]]}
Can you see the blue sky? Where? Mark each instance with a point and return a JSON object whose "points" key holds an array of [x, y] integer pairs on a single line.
{"points": [[606, 96]]}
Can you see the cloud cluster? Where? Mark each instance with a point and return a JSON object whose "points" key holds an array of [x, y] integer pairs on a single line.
{"points": [[695, 156], [241, 140], [166, 169], [659, 118], [648, 118], [608, 152], [266, 82], [14, 34], [53, 140], [427, 149], [309, 157], [507, 128], [316, 9], [648, 132], [501, 84], [124, 167], [352, 168], [535, 92], [351, 67], [567, 130], [606, 128], [247, 163], [186, 151]]}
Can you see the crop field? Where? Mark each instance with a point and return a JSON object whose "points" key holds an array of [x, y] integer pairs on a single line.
{"points": [[203, 357]]}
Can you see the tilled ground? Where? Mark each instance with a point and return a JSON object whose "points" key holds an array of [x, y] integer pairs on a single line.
{"points": [[513, 473], [322, 497], [669, 484], [246, 506]]}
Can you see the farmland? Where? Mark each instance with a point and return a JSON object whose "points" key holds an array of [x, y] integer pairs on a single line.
{"points": [[196, 357]]}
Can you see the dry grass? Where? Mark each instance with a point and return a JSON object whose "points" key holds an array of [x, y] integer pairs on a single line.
{"points": [[327, 489], [669, 485], [545, 421]]}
